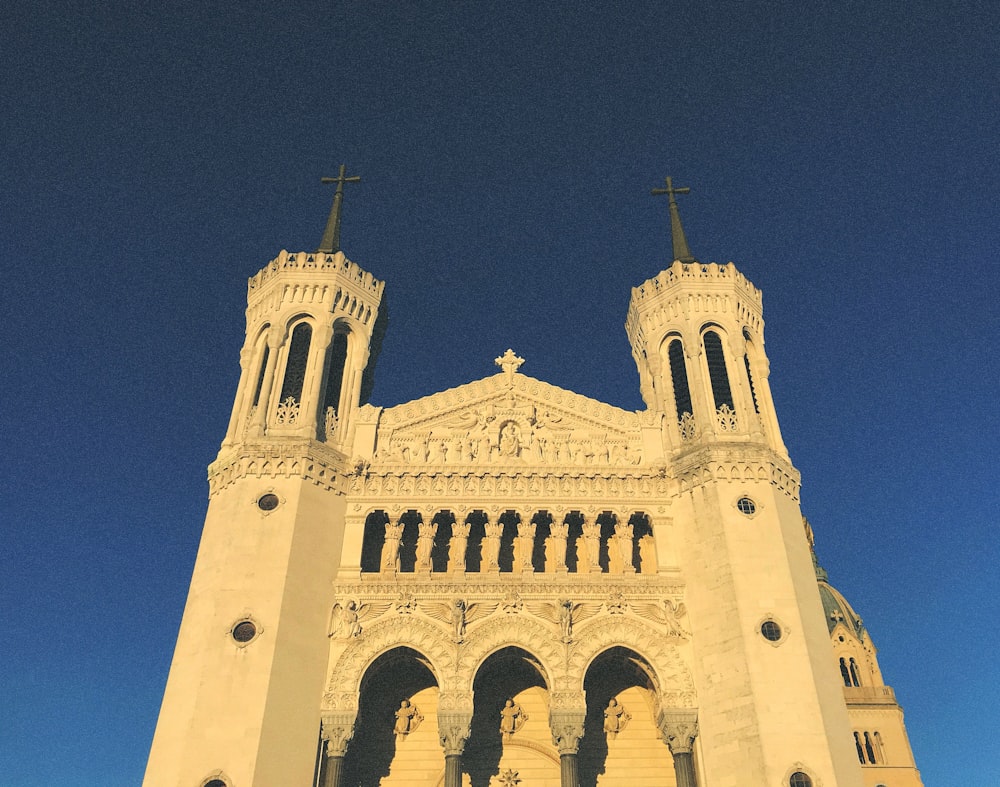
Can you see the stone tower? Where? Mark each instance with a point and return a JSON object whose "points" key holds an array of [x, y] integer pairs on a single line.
{"points": [[508, 583]]}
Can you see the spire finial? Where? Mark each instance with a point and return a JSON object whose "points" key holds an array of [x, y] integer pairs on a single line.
{"points": [[681, 250], [331, 235]]}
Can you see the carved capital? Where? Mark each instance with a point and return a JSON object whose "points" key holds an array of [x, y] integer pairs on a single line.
{"points": [[454, 728], [567, 729], [337, 730], [678, 728]]}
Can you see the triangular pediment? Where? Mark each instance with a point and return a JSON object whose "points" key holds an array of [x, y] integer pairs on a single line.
{"points": [[508, 418]]}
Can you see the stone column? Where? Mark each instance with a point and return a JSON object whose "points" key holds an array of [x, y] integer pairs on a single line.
{"points": [[526, 545], [623, 540], [491, 542], [453, 729], [313, 421], [275, 338], [592, 542], [389, 561], [555, 549], [679, 728], [337, 731], [567, 729], [425, 543], [458, 545]]}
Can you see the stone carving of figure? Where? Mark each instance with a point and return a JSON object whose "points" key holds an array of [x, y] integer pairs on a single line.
{"points": [[425, 543], [458, 619], [592, 542], [512, 718], [555, 546], [407, 718], [344, 620], [647, 555], [491, 546], [510, 442], [458, 545], [390, 548], [566, 619], [623, 533], [526, 545], [615, 717]]}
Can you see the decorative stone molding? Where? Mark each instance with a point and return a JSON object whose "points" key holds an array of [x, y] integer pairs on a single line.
{"points": [[567, 728], [678, 729], [282, 458], [337, 729], [454, 728]]}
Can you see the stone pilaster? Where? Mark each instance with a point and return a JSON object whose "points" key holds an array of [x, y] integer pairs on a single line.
{"points": [[337, 731], [453, 729], [679, 728], [567, 730]]}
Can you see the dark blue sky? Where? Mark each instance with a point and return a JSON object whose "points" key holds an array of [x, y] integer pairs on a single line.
{"points": [[844, 155]]}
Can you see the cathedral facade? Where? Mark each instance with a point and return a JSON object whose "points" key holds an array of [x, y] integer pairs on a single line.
{"points": [[508, 583]]}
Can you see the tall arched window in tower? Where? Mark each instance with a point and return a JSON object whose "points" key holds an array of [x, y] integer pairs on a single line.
{"points": [[260, 376], [746, 362], [855, 677], [336, 364], [295, 375], [722, 394], [682, 392]]}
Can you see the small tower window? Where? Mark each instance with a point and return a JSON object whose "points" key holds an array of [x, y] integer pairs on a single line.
{"points": [[260, 377], [753, 391], [799, 779], [678, 373], [717, 370], [870, 750], [336, 363], [295, 368], [844, 673], [855, 680]]}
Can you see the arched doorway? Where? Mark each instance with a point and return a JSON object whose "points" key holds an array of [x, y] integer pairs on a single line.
{"points": [[621, 746], [396, 733], [511, 742]]}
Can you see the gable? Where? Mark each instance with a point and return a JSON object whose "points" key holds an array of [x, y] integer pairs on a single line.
{"points": [[509, 419]]}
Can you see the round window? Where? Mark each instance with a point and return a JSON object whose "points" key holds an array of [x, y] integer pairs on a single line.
{"points": [[799, 779], [770, 630], [267, 502], [746, 506], [244, 631]]}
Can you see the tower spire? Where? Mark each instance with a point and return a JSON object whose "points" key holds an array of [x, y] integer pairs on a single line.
{"points": [[331, 235], [681, 250]]}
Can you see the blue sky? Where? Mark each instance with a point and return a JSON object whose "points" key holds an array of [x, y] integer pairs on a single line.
{"points": [[843, 155]]}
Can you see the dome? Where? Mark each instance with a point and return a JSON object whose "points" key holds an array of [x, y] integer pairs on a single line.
{"points": [[837, 610]]}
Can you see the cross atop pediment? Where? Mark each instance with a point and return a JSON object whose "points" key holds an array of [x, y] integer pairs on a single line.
{"points": [[509, 362]]}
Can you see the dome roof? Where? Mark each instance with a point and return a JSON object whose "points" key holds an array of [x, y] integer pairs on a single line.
{"points": [[837, 610]]}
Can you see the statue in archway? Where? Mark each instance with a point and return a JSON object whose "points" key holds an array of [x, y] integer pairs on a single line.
{"points": [[615, 717], [512, 718], [408, 718]]}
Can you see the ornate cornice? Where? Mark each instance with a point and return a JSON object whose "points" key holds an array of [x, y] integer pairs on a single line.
{"points": [[735, 462], [310, 460]]}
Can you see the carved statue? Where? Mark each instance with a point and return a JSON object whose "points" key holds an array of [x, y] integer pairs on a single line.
{"points": [[615, 717], [345, 620], [458, 614], [458, 545], [624, 533], [425, 543], [512, 718], [565, 613], [491, 546], [510, 441], [668, 615], [390, 548], [408, 718]]}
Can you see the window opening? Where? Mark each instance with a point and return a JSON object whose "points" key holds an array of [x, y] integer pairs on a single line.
{"points": [[260, 377], [854, 674], [753, 390], [799, 779], [295, 368], [869, 749], [717, 371], [336, 362], [844, 673], [678, 373]]}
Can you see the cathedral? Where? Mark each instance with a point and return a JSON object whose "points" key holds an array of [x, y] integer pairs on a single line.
{"points": [[507, 583]]}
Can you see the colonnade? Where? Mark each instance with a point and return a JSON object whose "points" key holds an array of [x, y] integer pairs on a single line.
{"points": [[501, 540], [678, 729]]}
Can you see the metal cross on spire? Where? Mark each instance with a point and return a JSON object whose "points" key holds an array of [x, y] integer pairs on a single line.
{"points": [[331, 235], [681, 250]]}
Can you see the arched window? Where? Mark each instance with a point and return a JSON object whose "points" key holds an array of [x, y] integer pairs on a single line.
{"points": [[717, 370], [844, 673], [854, 674], [260, 376], [295, 367], [678, 373], [746, 363], [859, 747], [336, 361], [799, 779], [870, 750]]}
